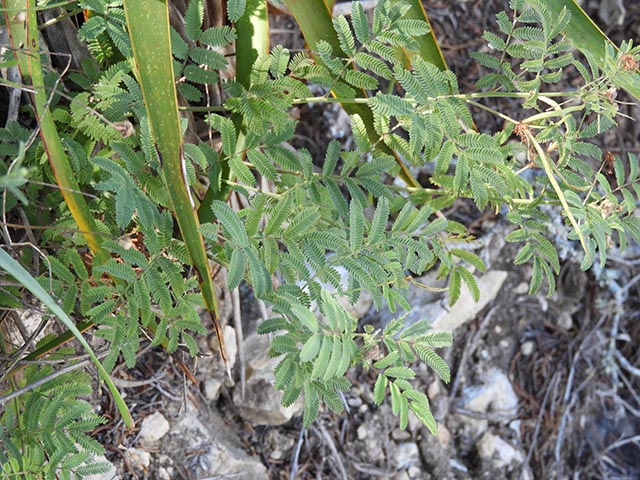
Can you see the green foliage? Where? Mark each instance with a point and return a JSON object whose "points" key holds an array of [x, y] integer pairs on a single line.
{"points": [[105, 31], [325, 230], [44, 432]]}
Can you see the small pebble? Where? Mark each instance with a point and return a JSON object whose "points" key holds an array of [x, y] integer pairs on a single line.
{"points": [[153, 428], [400, 435], [275, 455], [415, 472], [433, 390], [521, 289], [211, 388], [504, 344], [527, 347], [138, 459], [444, 435]]}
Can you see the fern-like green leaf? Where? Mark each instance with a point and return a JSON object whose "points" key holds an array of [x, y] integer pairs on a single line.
{"points": [[237, 266], [432, 359], [345, 36], [324, 356], [193, 19], [231, 222], [235, 9], [311, 404], [356, 226]]}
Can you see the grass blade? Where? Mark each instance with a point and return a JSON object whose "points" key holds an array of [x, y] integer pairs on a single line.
{"points": [[148, 24], [253, 39], [23, 29], [17, 271]]}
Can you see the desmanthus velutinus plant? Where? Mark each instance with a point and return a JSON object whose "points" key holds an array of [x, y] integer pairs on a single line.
{"points": [[290, 241]]}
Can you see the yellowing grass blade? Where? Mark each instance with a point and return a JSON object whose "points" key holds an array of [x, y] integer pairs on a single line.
{"points": [[148, 24], [21, 19], [588, 38], [314, 19], [17, 271]]}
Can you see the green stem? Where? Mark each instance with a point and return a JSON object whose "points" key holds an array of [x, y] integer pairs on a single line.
{"points": [[546, 163]]}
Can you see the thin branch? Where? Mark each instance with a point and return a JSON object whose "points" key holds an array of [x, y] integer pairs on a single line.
{"points": [[42, 381], [296, 455]]}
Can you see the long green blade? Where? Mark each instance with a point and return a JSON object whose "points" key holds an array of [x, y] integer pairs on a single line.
{"points": [[148, 24], [21, 19], [17, 271], [587, 37], [253, 38]]}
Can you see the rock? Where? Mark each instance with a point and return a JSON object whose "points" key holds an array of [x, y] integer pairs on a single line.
{"points": [[211, 388], [443, 435], [498, 453], [565, 321], [407, 456], [496, 394], [278, 444], [400, 435], [153, 428], [521, 289], [138, 459], [110, 474], [527, 347], [165, 473], [427, 304], [415, 424], [467, 308], [403, 475], [456, 464], [433, 390], [222, 455], [30, 320], [227, 461], [435, 456], [166, 469], [261, 404], [612, 12], [415, 472]]}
